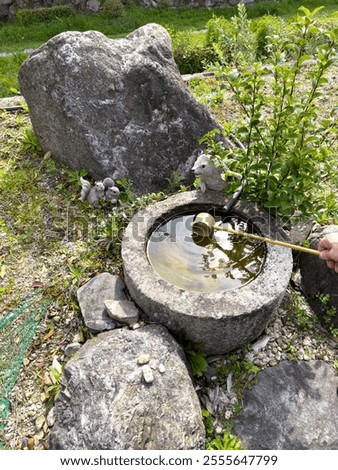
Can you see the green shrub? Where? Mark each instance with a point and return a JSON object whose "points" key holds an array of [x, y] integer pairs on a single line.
{"points": [[288, 158], [196, 358], [190, 52], [263, 28], [193, 60], [240, 35], [226, 442], [29, 16], [265, 8], [112, 8], [219, 37], [216, 27], [232, 39]]}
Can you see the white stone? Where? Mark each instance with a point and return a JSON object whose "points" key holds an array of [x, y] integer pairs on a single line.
{"points": [[123, 311], [147, 374], [39, 422], [143, 359], [161, 368], [50, 418]]}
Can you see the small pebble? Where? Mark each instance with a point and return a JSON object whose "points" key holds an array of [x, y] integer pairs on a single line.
{"points": [[50, 418], [31, 443], [39, 422], [72, 348], [147, 374], [143, 359]]}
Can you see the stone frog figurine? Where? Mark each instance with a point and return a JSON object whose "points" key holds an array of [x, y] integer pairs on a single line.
{"points": [[101, 190]]}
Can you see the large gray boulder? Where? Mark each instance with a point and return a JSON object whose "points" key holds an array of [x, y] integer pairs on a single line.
{"points": [[293, 407], [128, 390], [320, 282], [117, 108]]}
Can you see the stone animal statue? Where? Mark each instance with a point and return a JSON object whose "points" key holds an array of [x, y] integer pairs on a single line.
{"points": [[111, 191], [111, 194], [209, 174], [92, 194], [101, 190]]}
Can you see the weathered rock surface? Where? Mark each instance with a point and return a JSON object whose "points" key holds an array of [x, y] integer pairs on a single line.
{"points": [[117, 108], [91, 297], [293, 406], [300, 232], [122, 311], [110, 401], [319, 280]]}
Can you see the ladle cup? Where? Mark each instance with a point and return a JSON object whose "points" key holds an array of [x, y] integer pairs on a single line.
{"points": [[204, 225]]}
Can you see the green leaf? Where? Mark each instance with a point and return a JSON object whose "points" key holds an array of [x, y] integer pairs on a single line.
{"points": [[225, 442], [304, 58], [196, 358]]}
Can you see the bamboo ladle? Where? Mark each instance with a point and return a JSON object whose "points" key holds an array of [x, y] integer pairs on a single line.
{"points": [[204, 225]]}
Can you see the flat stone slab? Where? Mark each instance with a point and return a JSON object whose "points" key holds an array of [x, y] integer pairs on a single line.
{"points": [[91, 297], [122, 311], [294, 406], [11, 101], [111, 399]]}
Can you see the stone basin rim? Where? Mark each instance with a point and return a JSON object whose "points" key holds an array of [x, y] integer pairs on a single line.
{"points": [[138, 270]]}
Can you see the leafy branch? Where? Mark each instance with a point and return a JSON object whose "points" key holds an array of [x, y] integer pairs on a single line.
{"points": [[289, 159]]}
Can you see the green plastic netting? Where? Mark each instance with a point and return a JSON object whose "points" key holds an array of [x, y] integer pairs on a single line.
{"points": [[17, 329]]}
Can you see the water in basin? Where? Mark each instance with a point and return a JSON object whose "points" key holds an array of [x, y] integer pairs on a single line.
{"points": [[222, 263]]}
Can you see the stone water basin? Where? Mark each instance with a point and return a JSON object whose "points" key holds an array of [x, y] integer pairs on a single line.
{"points": [[220, 293]]}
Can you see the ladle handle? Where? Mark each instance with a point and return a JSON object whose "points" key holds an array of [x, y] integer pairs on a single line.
{"points": [[267, 240]]}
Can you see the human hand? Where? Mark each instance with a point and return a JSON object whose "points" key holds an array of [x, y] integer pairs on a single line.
{"points": [[328, 248]]}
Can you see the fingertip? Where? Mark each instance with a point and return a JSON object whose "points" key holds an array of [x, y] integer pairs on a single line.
{"points": [[324, 255], [324, 244], [331, 264]]}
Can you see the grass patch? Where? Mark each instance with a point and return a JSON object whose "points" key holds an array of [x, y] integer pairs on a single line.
{"points": [[16, 36], [193, 50], [41, 220], [34, 214], [9, 67]]}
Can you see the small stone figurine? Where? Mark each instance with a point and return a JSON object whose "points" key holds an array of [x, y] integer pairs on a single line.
{"points": [[209, 175], [101, 190]]}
